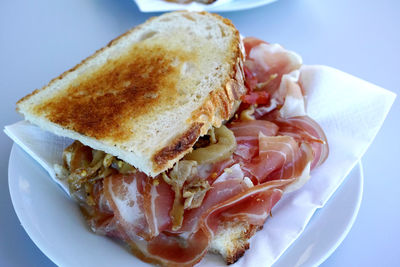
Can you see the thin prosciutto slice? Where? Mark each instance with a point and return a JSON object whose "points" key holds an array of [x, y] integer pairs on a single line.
{"points": [[220, 191], [265, 156], [280, 157], [291, 95], [123, 193], [252, 205], [249, 130], [268, 62], [140, 205], [246, 134], [305, 129], [274, 71], [100, 217], [158, 198]]}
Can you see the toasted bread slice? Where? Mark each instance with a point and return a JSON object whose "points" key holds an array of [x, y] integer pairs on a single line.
{"points": [[149, 94]]}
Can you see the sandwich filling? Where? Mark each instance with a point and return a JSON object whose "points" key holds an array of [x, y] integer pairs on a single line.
{"points": [[235, 173]]}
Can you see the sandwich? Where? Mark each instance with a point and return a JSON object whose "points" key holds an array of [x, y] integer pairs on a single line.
{"points": [[186, 136]]}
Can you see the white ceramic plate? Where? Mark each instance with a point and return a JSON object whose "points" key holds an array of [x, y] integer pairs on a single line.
{"points": [[235, 5], [55, 225], [232, 5]]}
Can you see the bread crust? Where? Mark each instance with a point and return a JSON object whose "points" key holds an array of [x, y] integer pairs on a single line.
{"points": [[242, 247], [219, 106], [232, 240], [180, 145]]}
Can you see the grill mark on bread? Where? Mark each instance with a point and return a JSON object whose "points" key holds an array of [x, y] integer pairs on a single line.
{"points": [[99, 104], [181, 144]]}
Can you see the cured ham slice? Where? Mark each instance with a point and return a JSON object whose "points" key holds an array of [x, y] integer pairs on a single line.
{"points": [[250, 130], [305, 129], [220, 191], [173, 250], [188, 245], [141, 206], [100, 217], [268, 62], [158, 198], [272, 70], [246, 134], [253, 206], [286, 108], [232, 173], [280, 157], [290, 94], [262, 153], [124, 194], [250, 42]]}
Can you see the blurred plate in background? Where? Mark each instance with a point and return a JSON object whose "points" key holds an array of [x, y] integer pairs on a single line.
{"points": [[218, 6]]}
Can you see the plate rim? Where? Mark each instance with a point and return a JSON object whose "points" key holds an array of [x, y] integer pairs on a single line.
{"points": [[356, 176], [246, 7], [227, 7], [353, 218]]}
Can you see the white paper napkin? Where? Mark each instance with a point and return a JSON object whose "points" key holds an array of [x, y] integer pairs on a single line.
{"points": [[350, 110], [45, 147], [161, 5]]}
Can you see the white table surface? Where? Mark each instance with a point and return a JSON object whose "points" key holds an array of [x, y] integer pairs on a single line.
{"points": [[40, 39]]}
